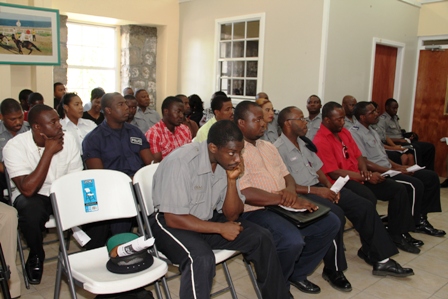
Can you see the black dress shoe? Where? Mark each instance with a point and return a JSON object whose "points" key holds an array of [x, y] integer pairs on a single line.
{"points": [[423, 226], [34, 268], [402, 244], [412, 241], [392, 268], [306, 286], [364, 256], [337, 280], [444, 184]]}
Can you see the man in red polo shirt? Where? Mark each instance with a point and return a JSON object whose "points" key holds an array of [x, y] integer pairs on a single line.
{"points": [[170, 132], [341, 156]]}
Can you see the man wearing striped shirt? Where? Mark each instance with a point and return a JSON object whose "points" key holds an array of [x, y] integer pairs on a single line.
{"points": [[170, 132]]}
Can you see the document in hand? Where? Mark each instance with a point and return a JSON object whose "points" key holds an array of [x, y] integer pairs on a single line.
{"points": [[390, 173], [340, 182], [414, 168]]}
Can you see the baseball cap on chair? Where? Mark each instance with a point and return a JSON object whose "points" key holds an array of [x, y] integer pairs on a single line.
{"points": [[133, 263]]}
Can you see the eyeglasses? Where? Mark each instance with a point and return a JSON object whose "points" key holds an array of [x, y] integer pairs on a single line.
{"points": [[301, 119], [345, 151]]}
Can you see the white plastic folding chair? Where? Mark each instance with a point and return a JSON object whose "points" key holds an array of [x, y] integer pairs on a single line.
{"points": [[143, 190], [111, 196]]}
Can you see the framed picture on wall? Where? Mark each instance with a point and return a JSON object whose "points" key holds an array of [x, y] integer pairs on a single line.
{"points": [[29, 35]]}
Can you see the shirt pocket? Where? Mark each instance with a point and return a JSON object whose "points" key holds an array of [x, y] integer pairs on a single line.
{"points": [[296, 164]]}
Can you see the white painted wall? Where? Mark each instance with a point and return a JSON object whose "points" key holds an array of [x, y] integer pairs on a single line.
{"points": [[291, 53], [433, 19], [353, 25]]}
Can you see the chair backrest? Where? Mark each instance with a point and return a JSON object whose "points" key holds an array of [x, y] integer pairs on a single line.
{"points": [[91, 196], [143, 187]]}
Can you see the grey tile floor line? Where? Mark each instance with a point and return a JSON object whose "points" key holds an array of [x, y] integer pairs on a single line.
{"points": [[430, 267]]}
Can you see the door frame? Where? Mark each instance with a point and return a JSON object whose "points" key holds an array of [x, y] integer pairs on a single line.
{"points": [[420, 47], [398, 68]]}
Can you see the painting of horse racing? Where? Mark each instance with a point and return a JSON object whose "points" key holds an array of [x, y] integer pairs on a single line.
{"points": [[29, 35]]}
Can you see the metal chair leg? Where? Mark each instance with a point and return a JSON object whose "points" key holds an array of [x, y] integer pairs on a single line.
{"points": [[252, 278]]}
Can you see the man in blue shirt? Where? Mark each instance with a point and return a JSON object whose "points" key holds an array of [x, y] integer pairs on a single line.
{"points": [[115, 145]]}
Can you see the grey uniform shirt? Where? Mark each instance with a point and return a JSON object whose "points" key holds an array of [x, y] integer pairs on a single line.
{"points": [[145, 120], [390, 125], [370, 145], [302, 164], [350, 123], [5, 135], [313, 126], [272, 131], [184, 183]]}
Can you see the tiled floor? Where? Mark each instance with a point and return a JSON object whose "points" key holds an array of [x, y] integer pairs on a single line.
{"points": [[430, 267]]}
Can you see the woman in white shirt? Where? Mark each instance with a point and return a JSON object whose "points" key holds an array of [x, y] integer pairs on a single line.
{"points": [[70, 111]]}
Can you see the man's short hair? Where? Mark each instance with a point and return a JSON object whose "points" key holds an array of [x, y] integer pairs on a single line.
{"points": [[222, 132], [166, 104], [284, 115], [56, 85], [328, 108], [241, 110], [138, 91], [106, 100], [9, 105], [219, 93], [35, 112], [390, 101], [23, 95], [375, 104], [129, 97], [218, 102], [314, 96], [96, 93], [361, 108], [34, 97], [180, 96]]}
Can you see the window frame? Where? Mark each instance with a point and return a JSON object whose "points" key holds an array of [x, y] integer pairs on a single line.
{"points": [[259, 78], [116, 64]]}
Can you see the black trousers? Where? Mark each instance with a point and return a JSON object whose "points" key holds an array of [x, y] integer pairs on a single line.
{"points": [[99, 232], [425, 153], [423, 189], [399, 209], [193, 253], [362, 213], [33, 212]]}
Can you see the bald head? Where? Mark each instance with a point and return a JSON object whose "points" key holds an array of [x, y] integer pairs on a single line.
{"points": [[348, 103], [261, 95]]}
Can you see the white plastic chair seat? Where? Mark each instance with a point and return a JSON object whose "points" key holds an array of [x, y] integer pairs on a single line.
{"points": [[223, 254], [220, 255], [89, 268], [51, 223]]}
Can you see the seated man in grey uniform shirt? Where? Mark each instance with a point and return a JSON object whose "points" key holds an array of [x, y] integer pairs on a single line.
{"points": [[314, 119], [305, 167], [12, 124], [144, 117], [348, 103], [423, 186], [199, 206], [388, 122]]}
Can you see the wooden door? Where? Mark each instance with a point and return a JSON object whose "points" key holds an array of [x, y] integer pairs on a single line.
{"points": [[384, 75], [429, 121]]}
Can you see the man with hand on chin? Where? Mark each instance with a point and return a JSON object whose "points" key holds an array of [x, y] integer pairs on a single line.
{"points": [[199, 206], [34, 160]]}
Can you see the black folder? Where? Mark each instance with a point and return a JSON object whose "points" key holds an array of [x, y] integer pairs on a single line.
{"points": [[301, 219]]}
